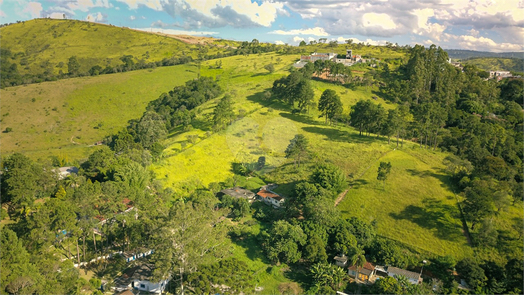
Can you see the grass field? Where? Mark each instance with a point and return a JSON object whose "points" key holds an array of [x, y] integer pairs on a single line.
{"points": [[415, 206], [65, 117], [40, 43]]}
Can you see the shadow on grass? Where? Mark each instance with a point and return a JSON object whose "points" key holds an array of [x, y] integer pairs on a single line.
{"points": [[299, 273], [435, 216], [268, 103], [299, 118], [334, 134], [357, 183], [442, 177]]}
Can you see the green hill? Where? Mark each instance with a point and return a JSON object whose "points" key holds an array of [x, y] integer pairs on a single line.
{"points": [[65, 117], [42, 44], [497, 64]]}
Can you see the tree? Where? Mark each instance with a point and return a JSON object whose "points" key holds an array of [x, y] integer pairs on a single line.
{"points": [[383, 171], [304, 94], [270, 68], [150, 129], [283, 241], [329, 104], [23, 180], [472, 273], [302, 43], [297, 148], [358, 257], [315, 250], [73, 67], [330, 177], [387, 285], [185, 237], [223, 114], [328, 275], [478, 202], [19, 275]]}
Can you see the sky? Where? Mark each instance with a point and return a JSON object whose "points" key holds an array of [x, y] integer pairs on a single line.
{"points": [[483, 25]]}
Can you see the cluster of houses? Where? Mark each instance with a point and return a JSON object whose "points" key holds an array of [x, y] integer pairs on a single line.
{"points": [[265, 195], [369, 273], [349, 60], [499, 75]]}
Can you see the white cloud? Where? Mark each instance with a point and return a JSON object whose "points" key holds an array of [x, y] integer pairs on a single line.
{"points": [[84, 5], [132, 17], [502, 20], [298, 39], [484, 44], [56, 15], [177, 32], [317, 31], [34, 9], [378, 19], [216, 13], [2, 14], [96, 17], [369, 41], [278, 42], [153, 4]]}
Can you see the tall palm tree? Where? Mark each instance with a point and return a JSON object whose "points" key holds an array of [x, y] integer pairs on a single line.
{"points": [[358, 258]]}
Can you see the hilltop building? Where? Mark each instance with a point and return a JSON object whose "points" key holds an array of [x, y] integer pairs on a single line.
{"points": [[350, 59]]}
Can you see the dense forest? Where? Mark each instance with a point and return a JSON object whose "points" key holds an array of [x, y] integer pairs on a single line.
{"points": [[479, 122]]}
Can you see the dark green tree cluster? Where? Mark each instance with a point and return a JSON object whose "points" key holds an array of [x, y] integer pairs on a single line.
{"points": [[295, 90], [231, 273], [297, 149], [330, 105], [176, 106], [223, 114]]}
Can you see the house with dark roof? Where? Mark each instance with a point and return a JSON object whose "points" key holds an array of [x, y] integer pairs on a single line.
{"points": [[139, 278], [237, 192], [270, 198], [364, 274], [413, 277]]}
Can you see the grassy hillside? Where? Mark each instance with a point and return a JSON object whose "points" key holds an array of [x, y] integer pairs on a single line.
{"points": [[497, 64], [65, 117], [42, 43], [415, 206]]}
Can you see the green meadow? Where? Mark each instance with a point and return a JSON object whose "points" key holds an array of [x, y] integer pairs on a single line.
{"points": [[40, 43], [66, 117], [414, 206]]}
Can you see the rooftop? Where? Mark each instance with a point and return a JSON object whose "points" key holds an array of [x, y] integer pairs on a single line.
{"points": [[402, 272], [238, 192], [267, 194]]}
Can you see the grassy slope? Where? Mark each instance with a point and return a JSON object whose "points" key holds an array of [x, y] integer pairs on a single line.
{"points": [[416, 186], [71, 109], [415, 207], [92, 43], [497, 64]]}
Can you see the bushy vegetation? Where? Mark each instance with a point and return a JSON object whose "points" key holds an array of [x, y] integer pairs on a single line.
{"points": [[459, 134]]}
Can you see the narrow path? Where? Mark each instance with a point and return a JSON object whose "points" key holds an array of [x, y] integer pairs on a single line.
{"points": [[343, 194]]}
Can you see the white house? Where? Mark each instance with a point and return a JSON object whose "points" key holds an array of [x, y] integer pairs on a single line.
{"points": [[64, 172], [271, 198], [138, 278], [413, 277]]}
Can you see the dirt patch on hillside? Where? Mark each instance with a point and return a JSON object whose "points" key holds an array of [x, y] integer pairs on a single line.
{"points": [[190, 39]]}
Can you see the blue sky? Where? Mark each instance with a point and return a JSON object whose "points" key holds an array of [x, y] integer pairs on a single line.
{"points": [[486, 25]]}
